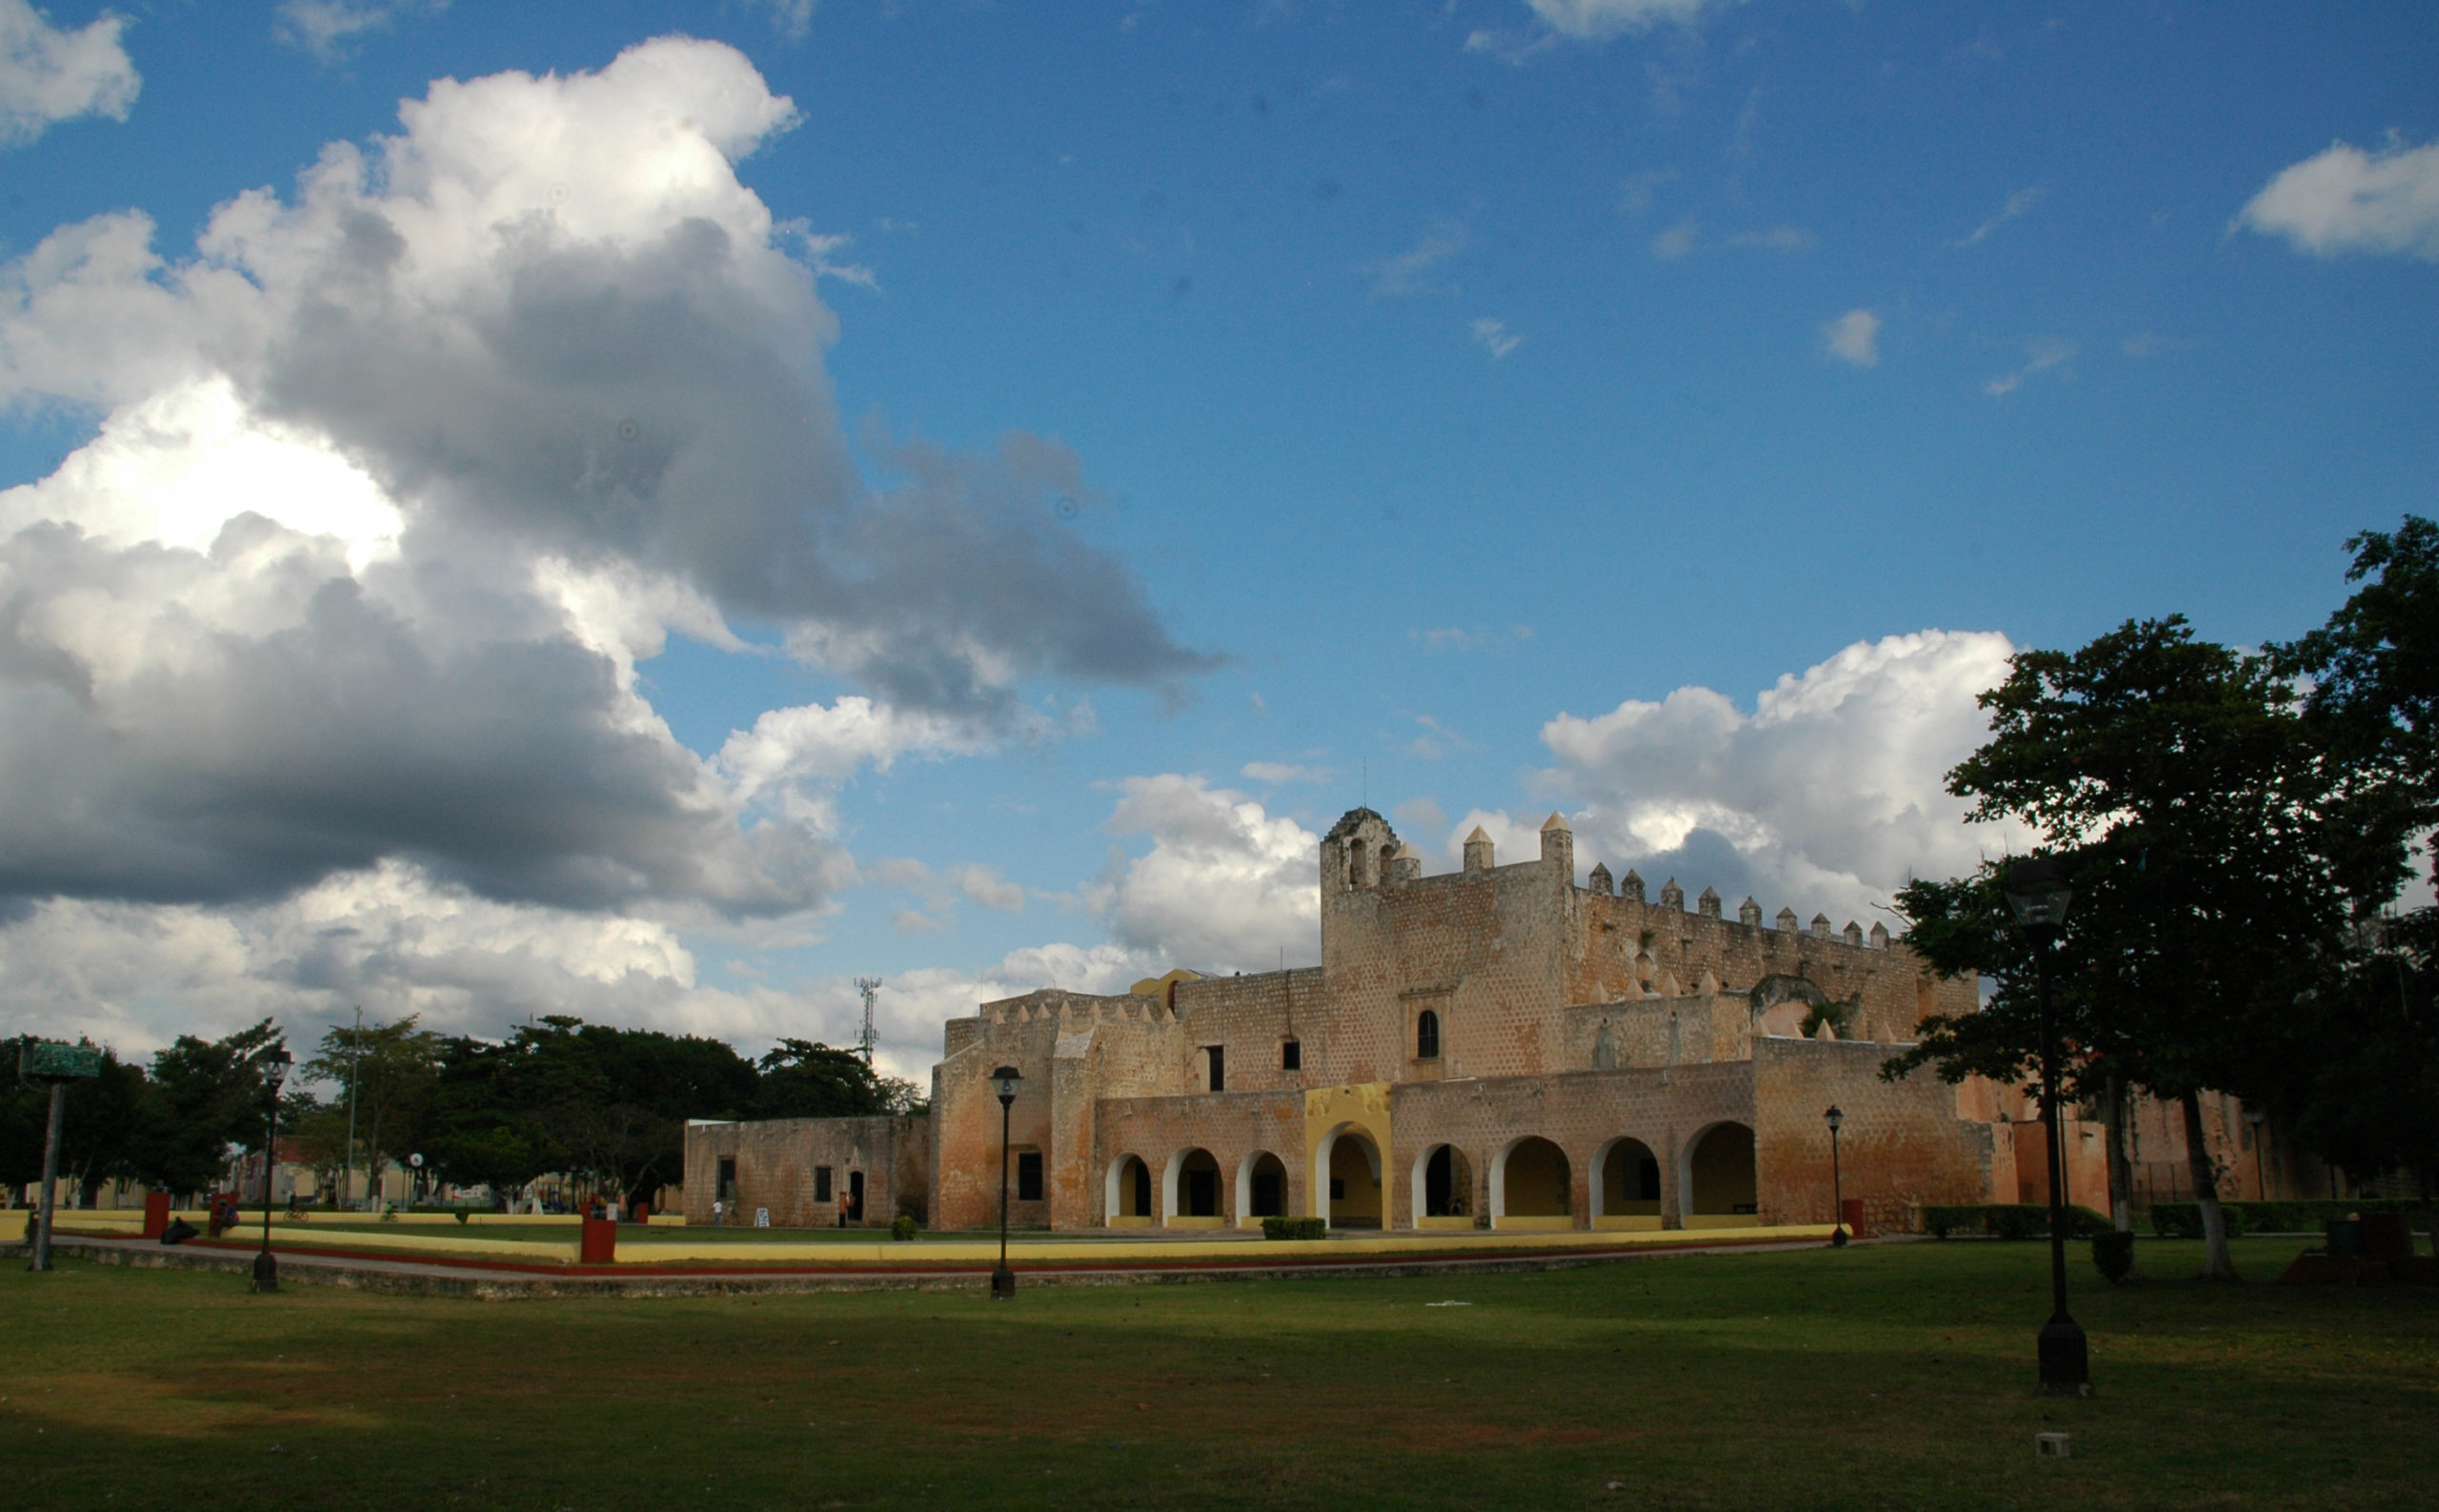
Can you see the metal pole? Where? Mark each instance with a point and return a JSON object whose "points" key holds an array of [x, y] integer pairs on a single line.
{"points": [[50, 1175], [1003, 1281], [265, 1268], [354, 1074], [1837, 1194], [2065, 1357]]}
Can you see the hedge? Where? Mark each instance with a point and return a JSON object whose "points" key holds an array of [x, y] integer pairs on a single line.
{"points": [[2184, 1219], [1295, 1228], [2010, 1220]]}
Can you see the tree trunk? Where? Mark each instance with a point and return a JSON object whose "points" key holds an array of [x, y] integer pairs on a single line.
{"points": [[2218, 1264], [2121, 1166]]}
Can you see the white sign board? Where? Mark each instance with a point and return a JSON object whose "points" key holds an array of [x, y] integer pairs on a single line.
{"points": [[761, 1217]]}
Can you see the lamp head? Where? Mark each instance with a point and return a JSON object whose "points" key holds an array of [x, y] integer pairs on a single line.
{"points": [[2036, 891], [1004, 1082], [276, 1067], [1835, 1117]]}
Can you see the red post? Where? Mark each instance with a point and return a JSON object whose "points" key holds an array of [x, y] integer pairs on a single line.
{"points": [[599, 1246], [640, 1213], [156, 1214], [1851, 1211]]}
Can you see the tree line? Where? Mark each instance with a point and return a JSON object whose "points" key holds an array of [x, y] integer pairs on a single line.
{"points": [[2238, 826], [606, 1107]]}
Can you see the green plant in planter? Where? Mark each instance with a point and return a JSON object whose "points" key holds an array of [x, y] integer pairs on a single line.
{"points": [[902, 1227]]}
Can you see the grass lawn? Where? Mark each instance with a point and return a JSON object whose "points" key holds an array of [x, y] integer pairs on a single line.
{"points": [[1895, 1376]]}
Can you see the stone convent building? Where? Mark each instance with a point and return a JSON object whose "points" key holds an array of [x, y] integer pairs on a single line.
{"points": [[1495, 1047]]}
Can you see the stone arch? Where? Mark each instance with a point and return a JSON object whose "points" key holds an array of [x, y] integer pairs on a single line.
{"points": [[1442, 1182], [1347, 1189], [1625, 1184], [1531, 1185], [1262, 1187], [1129, 1200], [1716, 1178], [1192, 1192]]}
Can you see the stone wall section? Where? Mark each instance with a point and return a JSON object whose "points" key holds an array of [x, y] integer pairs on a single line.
{"points": [[1233, 1126], [1582, 1114], [1902, 1148], [777, 1159]]}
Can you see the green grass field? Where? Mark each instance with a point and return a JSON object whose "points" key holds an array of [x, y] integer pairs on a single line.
{"points": [[1895, 1376]]}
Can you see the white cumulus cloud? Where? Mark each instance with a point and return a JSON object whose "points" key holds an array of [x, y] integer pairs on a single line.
{"points": [[1827, 795], [328, 29], [1854, 338], [48, 73], [394, 483], [1225, 886], [1590, 20], [2348, 200]]}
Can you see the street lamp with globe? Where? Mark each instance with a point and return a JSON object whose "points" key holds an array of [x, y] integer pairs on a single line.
{"points": [[2039, 895]]}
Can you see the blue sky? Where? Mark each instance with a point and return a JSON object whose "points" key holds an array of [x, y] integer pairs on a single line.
{"points": [[1663, 412]]}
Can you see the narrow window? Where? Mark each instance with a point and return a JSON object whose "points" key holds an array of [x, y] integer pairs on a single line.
{"points": [[1427, 1036], [728, 1179], [822, 1183], [1291, 1055], [1218, 1067], [1142, 1188], [1338, 1189], [1029, 1176]]}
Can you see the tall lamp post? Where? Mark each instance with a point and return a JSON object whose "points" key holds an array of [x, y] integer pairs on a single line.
{"points": [[2040, 896], [275, 1071], [1003, 1281], [1837, 1182]]}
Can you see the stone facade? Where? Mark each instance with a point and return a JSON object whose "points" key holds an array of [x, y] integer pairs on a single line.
{"points": [[1498, 1046]]}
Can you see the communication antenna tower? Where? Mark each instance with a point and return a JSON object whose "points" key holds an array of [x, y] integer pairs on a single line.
{"points": [[870, 987]]}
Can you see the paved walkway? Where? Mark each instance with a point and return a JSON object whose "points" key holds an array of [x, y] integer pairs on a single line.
{"points": [[502, 1280]]}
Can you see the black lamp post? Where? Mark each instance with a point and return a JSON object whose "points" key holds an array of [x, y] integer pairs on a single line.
{"points": [[1837, 1182], [1003, 1281], [2040, 895], [275, 1071]]}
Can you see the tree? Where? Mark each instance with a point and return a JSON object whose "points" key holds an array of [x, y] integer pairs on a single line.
{"points": [[2199, 825], [2374, 691], [2371, 1103], [387, 1070], [808, 1080], [208, 1097]]}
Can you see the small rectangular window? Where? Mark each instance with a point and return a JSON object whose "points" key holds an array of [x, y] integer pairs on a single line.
{"points": [[1291, 1055], [1218, 1067], [822, 1183], [1029, 1176], [1338, 1189]]}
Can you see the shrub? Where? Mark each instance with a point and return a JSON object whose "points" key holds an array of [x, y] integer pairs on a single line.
{"points": [[902, 1227], [462, 1214], [2184, 1219], [1295, 1228], [2010, 1220], [2113, 1255]]}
